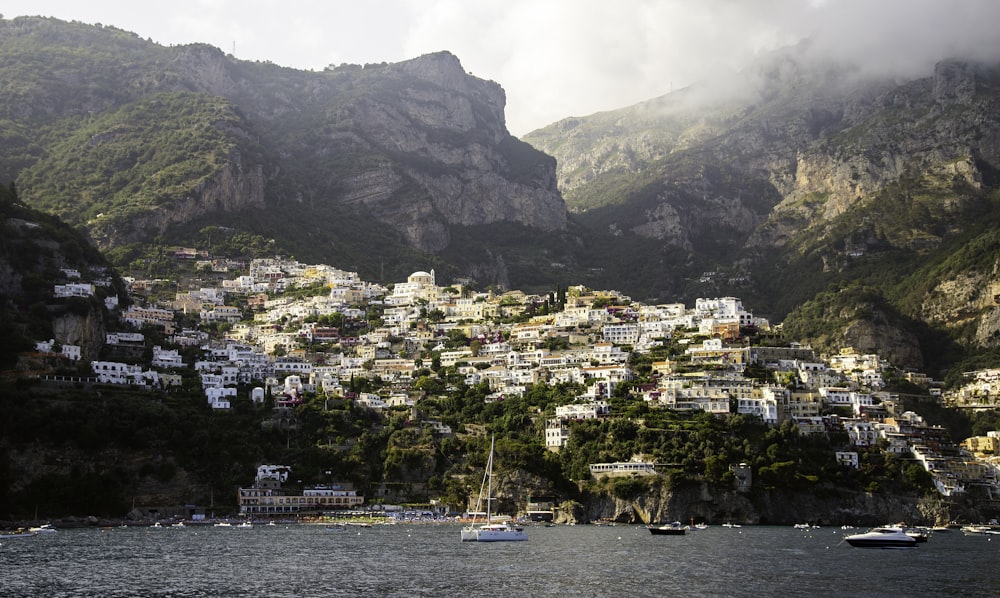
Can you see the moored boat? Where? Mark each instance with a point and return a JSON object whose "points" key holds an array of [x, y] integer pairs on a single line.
{"points": [[920, 534], [668, 529], [503, 531], [45, 528], [882, 537], [18, 533], [975, 529], [491, 531]]}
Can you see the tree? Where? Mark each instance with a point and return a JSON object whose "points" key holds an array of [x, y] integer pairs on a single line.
{"points": [[208, 232]]}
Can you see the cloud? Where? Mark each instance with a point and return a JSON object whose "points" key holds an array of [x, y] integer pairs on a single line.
{"points": [[902, 38]]}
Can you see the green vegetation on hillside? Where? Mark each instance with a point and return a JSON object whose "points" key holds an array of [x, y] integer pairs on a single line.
{"points": [[144, 155], [177, 444]]}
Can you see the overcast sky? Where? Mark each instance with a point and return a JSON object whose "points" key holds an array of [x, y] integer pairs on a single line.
{"points": [[556, 58]]}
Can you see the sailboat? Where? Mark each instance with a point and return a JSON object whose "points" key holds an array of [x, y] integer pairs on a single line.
{"points": [[491, 531]]}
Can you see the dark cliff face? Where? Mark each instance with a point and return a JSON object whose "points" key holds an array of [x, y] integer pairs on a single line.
{"points": [[418, 147], [37, 253], [437, 154]]}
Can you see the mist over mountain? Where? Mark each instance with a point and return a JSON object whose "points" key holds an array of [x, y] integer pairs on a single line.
{"points": [[803, 176]]}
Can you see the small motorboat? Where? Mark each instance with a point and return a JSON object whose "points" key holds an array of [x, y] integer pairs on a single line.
{"points": [[18, 533], [882, 537], [669, 529], [920, 534]]}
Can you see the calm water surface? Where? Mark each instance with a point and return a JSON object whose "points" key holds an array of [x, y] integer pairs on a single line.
{"points": [[429, 560]]}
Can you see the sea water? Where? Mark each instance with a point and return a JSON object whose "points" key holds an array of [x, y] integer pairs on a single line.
{"points": [[430, 560]]}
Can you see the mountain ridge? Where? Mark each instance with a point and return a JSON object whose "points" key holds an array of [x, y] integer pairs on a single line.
{"points": [[420, 146], [818, 178]]}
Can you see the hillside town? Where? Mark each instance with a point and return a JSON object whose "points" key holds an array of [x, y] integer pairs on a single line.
{"points": [[283, 330]]}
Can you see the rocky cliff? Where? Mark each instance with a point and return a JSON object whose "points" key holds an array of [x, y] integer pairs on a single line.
{"points": [[441, 141], [418, 147], [799, 177], [717, 506], [799, 151]]}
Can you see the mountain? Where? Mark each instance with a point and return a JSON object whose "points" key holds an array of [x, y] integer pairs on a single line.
{"points": [[382, 164], [858, 209], [795, 181]]}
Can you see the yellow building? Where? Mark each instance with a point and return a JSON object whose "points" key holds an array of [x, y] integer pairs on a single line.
{"points": [[983, 445]]}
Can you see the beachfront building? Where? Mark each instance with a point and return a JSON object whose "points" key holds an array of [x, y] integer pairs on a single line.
{"points": [[623, 469]]}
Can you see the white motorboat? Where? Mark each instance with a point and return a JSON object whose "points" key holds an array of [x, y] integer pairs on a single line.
{"points": [[491, 531], [980, 529], [882, 537]]}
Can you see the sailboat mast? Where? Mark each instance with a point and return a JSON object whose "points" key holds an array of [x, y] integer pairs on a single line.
{"points": [[489, 487]]}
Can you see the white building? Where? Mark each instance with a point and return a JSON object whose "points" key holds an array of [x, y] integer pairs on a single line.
{"points": [[273, 472], [621, 334], [219, 397], [861, 433], [556, 434], [763, 407], [844, 397], [112, 372], [589, 410], [74, 289], [419, 285], [166, 358], [72, 352]]}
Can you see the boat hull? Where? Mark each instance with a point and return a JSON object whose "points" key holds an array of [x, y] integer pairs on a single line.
{"points": [[882, 538], [881, 543], [505, 536], [667, 531], [494, 534]]}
